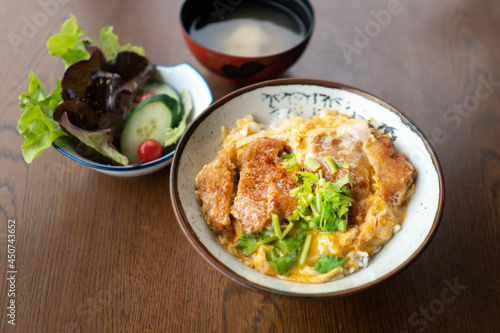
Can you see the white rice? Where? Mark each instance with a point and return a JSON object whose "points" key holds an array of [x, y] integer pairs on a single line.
{"points": [[359, 258], [396, 228], [363, 258]]}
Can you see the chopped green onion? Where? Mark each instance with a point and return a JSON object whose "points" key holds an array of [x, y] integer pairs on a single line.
{"points": [[331, 164], [287, 230], [305, 199], [312, 164], [307, 176], [276, 225], [318, 202], [307, 187], [315, 212], [295, 216], [343, 225], [342, 211], [343, 165], [305, 217], [289, 163], [305, 250], [296, 191], [346, 198]]}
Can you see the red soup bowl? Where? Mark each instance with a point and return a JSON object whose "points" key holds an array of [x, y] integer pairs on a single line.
{"points": [[243, 70]]}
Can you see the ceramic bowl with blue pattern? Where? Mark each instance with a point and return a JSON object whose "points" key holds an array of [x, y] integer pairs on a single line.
{"points": [[266, 102]]}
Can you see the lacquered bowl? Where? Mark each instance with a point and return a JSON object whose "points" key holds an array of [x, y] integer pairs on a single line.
{"points": [[179, 77], [265, 101], [245, 70]]}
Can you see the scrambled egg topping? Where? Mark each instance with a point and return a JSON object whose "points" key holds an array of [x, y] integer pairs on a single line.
{"points": [[377, 216]]}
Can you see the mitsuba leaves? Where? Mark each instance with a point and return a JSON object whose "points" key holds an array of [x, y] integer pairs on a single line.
{"points": [[327, 263], [284, 264], [293, 243], [248, 243]]}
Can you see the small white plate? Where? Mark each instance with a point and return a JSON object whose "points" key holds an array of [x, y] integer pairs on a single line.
{"points": [[179, 77]]}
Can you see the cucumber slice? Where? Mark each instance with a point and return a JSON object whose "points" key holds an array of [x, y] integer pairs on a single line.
{"points": [[163, 88], [149, 120]]}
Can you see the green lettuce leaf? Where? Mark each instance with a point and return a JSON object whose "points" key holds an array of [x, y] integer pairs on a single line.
{"points": [[101, 141], [174, 134], [39, 132], [111, 47], [67, 44], [327, 263], [36, 123]]}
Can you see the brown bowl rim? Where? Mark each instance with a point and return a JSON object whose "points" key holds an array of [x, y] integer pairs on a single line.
{"points": [[214, 262]]}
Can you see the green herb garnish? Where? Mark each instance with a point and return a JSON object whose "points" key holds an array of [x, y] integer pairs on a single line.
{"points": [[305, 250], [284, 264], [290, 163], [312, 164], [327, 263], [322, 205], [331, 165], [248, 243]]}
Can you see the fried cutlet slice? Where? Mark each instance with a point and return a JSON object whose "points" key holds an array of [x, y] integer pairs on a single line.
{"points": [[394, 174], [263, 187], [346, 149], [215, 188]]}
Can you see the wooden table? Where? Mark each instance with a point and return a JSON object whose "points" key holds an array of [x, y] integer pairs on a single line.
{"points": [[96, 253]]}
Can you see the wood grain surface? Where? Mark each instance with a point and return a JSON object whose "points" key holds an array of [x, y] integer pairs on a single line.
{"points": [[96, 253]]}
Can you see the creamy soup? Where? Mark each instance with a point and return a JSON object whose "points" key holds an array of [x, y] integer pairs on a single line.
{"points": [[251, 29]]}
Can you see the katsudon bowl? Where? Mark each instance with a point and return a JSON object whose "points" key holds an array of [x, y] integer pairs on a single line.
{"points": [[271, 102]]}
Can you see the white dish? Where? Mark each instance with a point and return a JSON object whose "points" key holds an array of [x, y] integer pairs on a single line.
{"points": [[264, 101], [179, 77]]}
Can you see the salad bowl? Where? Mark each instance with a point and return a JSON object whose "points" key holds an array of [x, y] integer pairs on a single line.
{"points": [[272, 101], [179, 77]]}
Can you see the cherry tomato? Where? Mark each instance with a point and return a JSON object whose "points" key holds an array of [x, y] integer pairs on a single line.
{"points": [[146, 95], [149, 150]]}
